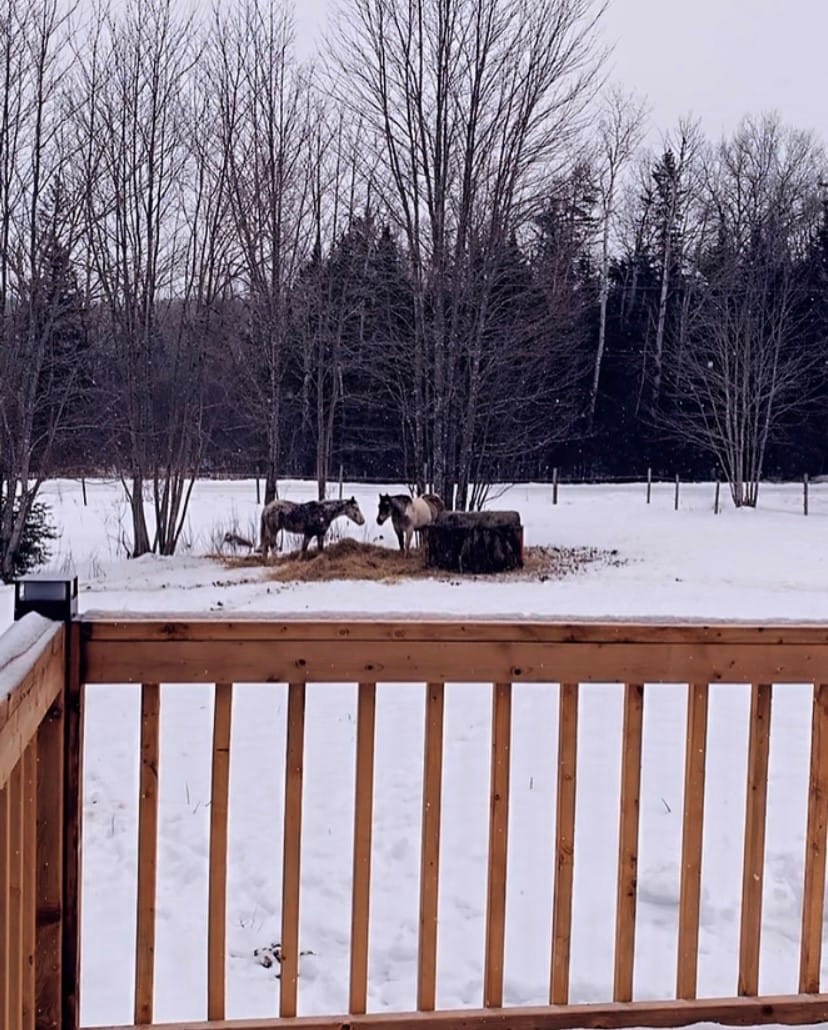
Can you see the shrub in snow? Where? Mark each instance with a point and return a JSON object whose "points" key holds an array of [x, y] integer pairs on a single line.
{"points": [[33, 549]]}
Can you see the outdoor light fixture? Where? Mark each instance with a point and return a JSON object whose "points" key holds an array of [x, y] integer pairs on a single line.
{"points": [[48, 594]]}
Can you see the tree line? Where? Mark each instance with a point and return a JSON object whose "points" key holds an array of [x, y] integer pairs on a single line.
{"points": [[440, 253]]}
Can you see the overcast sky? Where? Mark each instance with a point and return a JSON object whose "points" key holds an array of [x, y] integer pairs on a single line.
{"points": [[715, 59]]}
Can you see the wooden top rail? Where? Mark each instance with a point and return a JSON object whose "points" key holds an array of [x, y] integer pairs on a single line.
{"points": [[187, 649], [31, 678]]}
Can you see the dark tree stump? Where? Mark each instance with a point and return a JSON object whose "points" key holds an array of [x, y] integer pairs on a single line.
{"points": [[474, 541]]}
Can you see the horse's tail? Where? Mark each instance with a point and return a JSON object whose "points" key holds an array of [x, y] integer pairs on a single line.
{"points": [[268, 528]]}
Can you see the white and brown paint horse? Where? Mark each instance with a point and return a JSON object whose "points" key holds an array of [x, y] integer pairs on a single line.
{"points": [[311, 519], [408, 514]]}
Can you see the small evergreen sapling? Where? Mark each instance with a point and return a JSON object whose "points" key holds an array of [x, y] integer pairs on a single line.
{"points": [[38, 532]]}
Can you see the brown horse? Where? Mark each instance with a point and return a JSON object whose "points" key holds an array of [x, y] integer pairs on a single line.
{"points": [[313, 518], [408, 514]]}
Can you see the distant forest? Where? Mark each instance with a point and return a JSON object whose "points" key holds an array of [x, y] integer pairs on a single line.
{"points": [[440, 254]]}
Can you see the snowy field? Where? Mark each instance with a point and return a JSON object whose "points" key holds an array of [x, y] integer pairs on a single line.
{"points": [[768, 564]]}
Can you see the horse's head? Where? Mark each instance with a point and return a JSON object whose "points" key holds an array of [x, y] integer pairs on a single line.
{"points": [[385, 509], [351, 509]]}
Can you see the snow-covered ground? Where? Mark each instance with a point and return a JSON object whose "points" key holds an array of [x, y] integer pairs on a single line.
{"points": [[763, 564]]}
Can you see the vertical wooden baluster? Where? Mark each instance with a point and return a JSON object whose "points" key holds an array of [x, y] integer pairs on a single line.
{"points": [[498, 846], [564, 843], [813, 894], [754, 854], [294, 759], [363, 824], [15, 984], [219, 799], [430, 858], [29, 882], [628, 842], [72, 750], [147, 852], [50, 836], [5, 907], [691, 840]]}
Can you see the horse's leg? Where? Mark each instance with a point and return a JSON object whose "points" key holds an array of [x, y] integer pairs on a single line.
{"points": [[320, 541], [400, 540], [409, 533]]}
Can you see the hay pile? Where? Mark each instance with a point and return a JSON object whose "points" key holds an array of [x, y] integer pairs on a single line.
{"points": [[350, 559]]}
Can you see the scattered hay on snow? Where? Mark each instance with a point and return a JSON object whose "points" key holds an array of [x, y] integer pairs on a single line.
{"points": [[351, 559]]}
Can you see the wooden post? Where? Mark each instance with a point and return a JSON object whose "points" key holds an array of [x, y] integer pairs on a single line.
{"points": [[258, 492], [564, 843], [754, 849], [716, 497], [83, 490], [430, 851], [675, 505], [554, 486], [72, 817], [649, 483], [217, 875], [340, 482], [147, 853], [805, 493], [363, 825]]}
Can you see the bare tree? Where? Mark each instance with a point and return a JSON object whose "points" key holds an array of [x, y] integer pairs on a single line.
{"points": [[742, 370], [134, 129], [38, 373], [266, 111], [620, 130], [472, 104]]}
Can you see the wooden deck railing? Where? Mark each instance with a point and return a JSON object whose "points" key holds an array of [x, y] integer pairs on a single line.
{"points": [[301, 653], [32, 679]]}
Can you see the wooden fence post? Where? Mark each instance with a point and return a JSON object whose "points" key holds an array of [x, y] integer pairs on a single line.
{"points": [[805, 493], [554, 486], [341, 476], [649, 483], [83, 490], [72, 816], [677, 493], [258, 492], [716, 498]]}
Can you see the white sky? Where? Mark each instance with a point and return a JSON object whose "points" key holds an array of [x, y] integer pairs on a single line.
{"points": [[715, 59]]}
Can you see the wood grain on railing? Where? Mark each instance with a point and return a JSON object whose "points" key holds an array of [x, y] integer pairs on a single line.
{"points": [[147, 853], [793, 1010], [754, 852], [363, 825], [27, 938], [691, 840], [72, 822], [5, 906], [498, 845], [627, 887], [291, 862], [434, 652], [219, 809], [564, 843], [15, 882], [351, 651], [31, 821], [50, 889], [813, 893], [430, 856]]}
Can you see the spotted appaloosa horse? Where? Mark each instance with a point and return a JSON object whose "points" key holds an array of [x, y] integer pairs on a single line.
{"points": [[313, 518], [408, 514]]}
